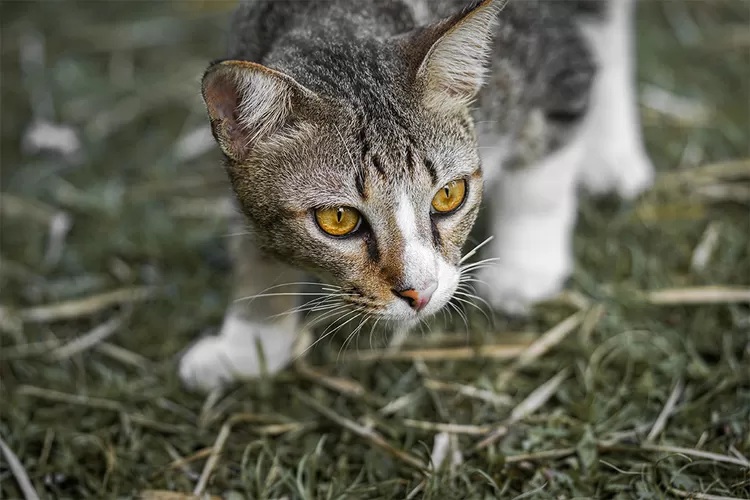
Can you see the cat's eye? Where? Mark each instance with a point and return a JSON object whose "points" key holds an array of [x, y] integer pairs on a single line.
{"points": [[449, 197], [338, 221]]}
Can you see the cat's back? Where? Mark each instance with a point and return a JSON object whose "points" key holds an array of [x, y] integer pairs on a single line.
{"points": [[257, 25]]}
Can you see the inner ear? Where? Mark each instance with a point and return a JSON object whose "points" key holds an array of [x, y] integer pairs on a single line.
{"points": [[247, 103], [450, 57], [221, 98]]}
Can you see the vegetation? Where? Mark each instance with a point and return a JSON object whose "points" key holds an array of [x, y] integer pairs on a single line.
{"points": [[634, 384]]}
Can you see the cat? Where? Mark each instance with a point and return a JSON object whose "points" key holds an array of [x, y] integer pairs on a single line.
{"points": [[361, 136]]}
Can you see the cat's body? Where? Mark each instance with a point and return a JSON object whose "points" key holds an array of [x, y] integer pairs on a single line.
{"points": [[389, 111]]}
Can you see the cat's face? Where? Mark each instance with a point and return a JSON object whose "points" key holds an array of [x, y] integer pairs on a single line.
{"points": [[382, 218], [376, 195]]}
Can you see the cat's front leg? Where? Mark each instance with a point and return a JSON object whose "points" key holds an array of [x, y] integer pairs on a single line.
{"points": [[616, 160], [533, 212], [257, 334]]}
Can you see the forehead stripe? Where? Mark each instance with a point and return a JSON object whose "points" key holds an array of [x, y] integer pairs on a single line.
{"points": [[436, 234], [373, 252], [431, 170], [360, 181]]}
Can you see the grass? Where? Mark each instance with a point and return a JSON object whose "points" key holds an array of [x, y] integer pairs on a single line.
{"points": [[633, 385]]}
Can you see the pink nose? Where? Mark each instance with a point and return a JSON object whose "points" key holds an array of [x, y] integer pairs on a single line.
{"points": [[417, 300]]}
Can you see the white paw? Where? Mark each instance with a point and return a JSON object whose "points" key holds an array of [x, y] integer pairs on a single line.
{"points": [[233, 355], [626, 174], [513, 287], [206, 366]]}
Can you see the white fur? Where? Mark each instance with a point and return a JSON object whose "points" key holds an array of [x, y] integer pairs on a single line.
{"points": [[615, 158], [215, 361], [420, 262], [424, 267], [533, 218], [419, 11], [535, 209], [265, 100]]}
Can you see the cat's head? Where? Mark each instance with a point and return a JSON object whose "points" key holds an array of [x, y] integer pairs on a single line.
{"points": [[369, 178]]}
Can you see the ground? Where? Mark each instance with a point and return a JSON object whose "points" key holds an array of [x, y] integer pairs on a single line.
{"points": [[636, 384]]}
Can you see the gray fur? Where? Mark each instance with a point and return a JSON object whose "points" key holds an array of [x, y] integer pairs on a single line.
{"points": [[377, 106], [358, 132]]}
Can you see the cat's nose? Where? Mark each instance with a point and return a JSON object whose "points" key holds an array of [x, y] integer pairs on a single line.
{"points": [[417, 299]]}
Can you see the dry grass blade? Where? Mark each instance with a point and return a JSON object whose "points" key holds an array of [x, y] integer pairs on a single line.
{"points": [[697, 454], [123, 355], [86, 306], [278, 429], [661, 420], [541, 346], [172, 495], [705, 248], [28, 350], [19, 207], [470, 430], [699, 295], [469, 391], [368, 434], [341, 385], [88, 340], [538, 397], [700, 496], [549, 339], [539, 455], [492, 351], [213, 459], [689, 452], [22, 478], [63, 397], [182, 463], [532, 403]]}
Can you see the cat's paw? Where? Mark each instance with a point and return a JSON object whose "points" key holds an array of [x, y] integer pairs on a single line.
{"points": [[513, 287], [626, 173], [213, 362]]}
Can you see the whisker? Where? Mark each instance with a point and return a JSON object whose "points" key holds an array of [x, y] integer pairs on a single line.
{"points": [[324, 334], [351, 336], [478, 263], [328, 288], [372, 329], [343, 142], [460, 314], [327, 315], [478, 266], [357, 314], [464, 301], [475, 249], [472, 279], [288, 294], [311, 308]]}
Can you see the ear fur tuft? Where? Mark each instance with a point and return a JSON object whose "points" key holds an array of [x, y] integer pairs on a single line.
{"points": [[454, 66], [247, 103]]}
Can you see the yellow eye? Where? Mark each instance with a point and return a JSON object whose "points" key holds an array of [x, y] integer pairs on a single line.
{"points": [[338, 221], [450, 197]]}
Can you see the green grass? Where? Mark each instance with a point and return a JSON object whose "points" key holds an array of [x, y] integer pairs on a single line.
{"points": [[113, 421]]}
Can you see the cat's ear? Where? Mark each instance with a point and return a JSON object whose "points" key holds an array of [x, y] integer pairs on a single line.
{"points": [[247, 103], [451, 56]]}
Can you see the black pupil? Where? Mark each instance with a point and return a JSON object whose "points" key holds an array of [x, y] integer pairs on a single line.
{"points": [[340, 214], [447, 191]]}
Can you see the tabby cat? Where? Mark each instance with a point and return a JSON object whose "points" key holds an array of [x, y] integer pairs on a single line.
{"points": [[360, 137]]}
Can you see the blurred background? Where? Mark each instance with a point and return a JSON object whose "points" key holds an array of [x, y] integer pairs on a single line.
{"points": [[113, 232]]}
